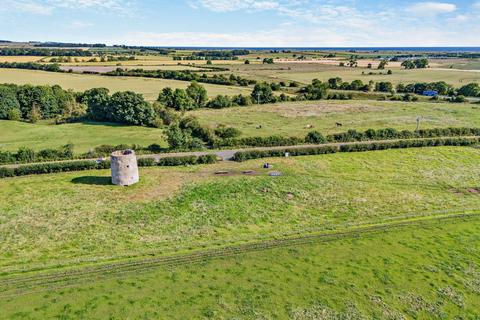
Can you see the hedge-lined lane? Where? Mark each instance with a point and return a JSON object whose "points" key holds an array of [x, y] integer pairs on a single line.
{"points": [[193, 158]]}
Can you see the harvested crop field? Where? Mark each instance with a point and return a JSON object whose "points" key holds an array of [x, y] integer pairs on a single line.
{"points": [[150, 88]]}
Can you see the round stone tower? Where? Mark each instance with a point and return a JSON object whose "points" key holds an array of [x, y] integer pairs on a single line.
{"points": [[124, 168]]}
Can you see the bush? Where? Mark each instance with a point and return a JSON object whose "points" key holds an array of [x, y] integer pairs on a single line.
{"points": [[315, 137], [155, 148], [220, 102], [146, 162], [178, 161], [226, 133], [6, 172], [271, 141], [207, 159]]}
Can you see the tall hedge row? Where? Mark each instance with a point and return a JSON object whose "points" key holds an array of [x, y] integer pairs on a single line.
{"points": [[256, 154], [82, 165], [391, 133]]}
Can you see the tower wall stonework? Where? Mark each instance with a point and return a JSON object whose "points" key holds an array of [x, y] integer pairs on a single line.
{"points": [[124, 168]]}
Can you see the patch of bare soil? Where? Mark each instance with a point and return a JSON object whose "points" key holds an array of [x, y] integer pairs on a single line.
{"points": [[468, 190]]}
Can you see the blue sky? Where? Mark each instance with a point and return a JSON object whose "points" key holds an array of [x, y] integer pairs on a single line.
{"points": [[313, 23]]}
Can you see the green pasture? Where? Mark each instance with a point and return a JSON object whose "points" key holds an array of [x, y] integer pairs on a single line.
{"points": [[299, 118], [426, 272], [75, 218], [84, 136]]}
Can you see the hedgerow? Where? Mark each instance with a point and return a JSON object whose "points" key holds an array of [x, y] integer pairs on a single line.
{"points": [[391, 133], [357, 147], [54, 167]]}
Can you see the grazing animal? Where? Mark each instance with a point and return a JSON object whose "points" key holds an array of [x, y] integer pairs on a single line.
{"points": [[338, 124]]}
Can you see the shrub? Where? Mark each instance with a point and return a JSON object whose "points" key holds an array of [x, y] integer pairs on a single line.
{"points": [[155, 148], [6, 172], [146, 162], [207, 159], [226, 133], [315, 137], [220, 102], [177, 161]]}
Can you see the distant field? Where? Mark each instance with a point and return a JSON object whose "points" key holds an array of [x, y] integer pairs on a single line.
{"points": [[151, 60], [150, 88], [68, 218], [20, 58], [103, 69], [426, 272], [306, 72], [84, 136], [298, 118], [463, 64]]}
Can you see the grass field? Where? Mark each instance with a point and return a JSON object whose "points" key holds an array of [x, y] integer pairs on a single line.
{"points": [[67, 218], [84, 136], [306, 72], [295, 119], [150, 88], [428, 272]]}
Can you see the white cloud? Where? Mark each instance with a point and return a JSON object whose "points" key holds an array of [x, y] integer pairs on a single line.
{"points": [[476, 5], [235, 5], [80, 25], [84, 4], [47, 7], [27, 6], [432, 8]]}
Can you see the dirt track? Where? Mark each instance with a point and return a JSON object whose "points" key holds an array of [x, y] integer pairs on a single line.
{"points": [[38, 282]]}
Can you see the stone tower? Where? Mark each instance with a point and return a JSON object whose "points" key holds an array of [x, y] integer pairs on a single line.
{"points": [[124, 168]]}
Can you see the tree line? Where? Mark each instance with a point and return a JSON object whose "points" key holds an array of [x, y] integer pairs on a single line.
{"points": [[214, 55], [443, 88], [42, 52], [186, 75]]}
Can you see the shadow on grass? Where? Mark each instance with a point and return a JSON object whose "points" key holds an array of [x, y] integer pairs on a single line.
{"points": [[91, 180]]}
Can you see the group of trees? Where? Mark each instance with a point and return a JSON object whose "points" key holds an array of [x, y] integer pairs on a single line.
{"points": [[195, 96], [356, 85], [470, 90], [53, 67], [188, 133], [123, 107], [32, 103], [443, 88], [214, 55], [412, 64], [69, 45]]}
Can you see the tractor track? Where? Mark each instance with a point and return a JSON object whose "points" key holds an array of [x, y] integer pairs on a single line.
{"points": [[19, 285]]}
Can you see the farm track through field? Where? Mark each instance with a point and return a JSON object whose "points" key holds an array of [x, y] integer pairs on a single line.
{"points": [[19, 285]]}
